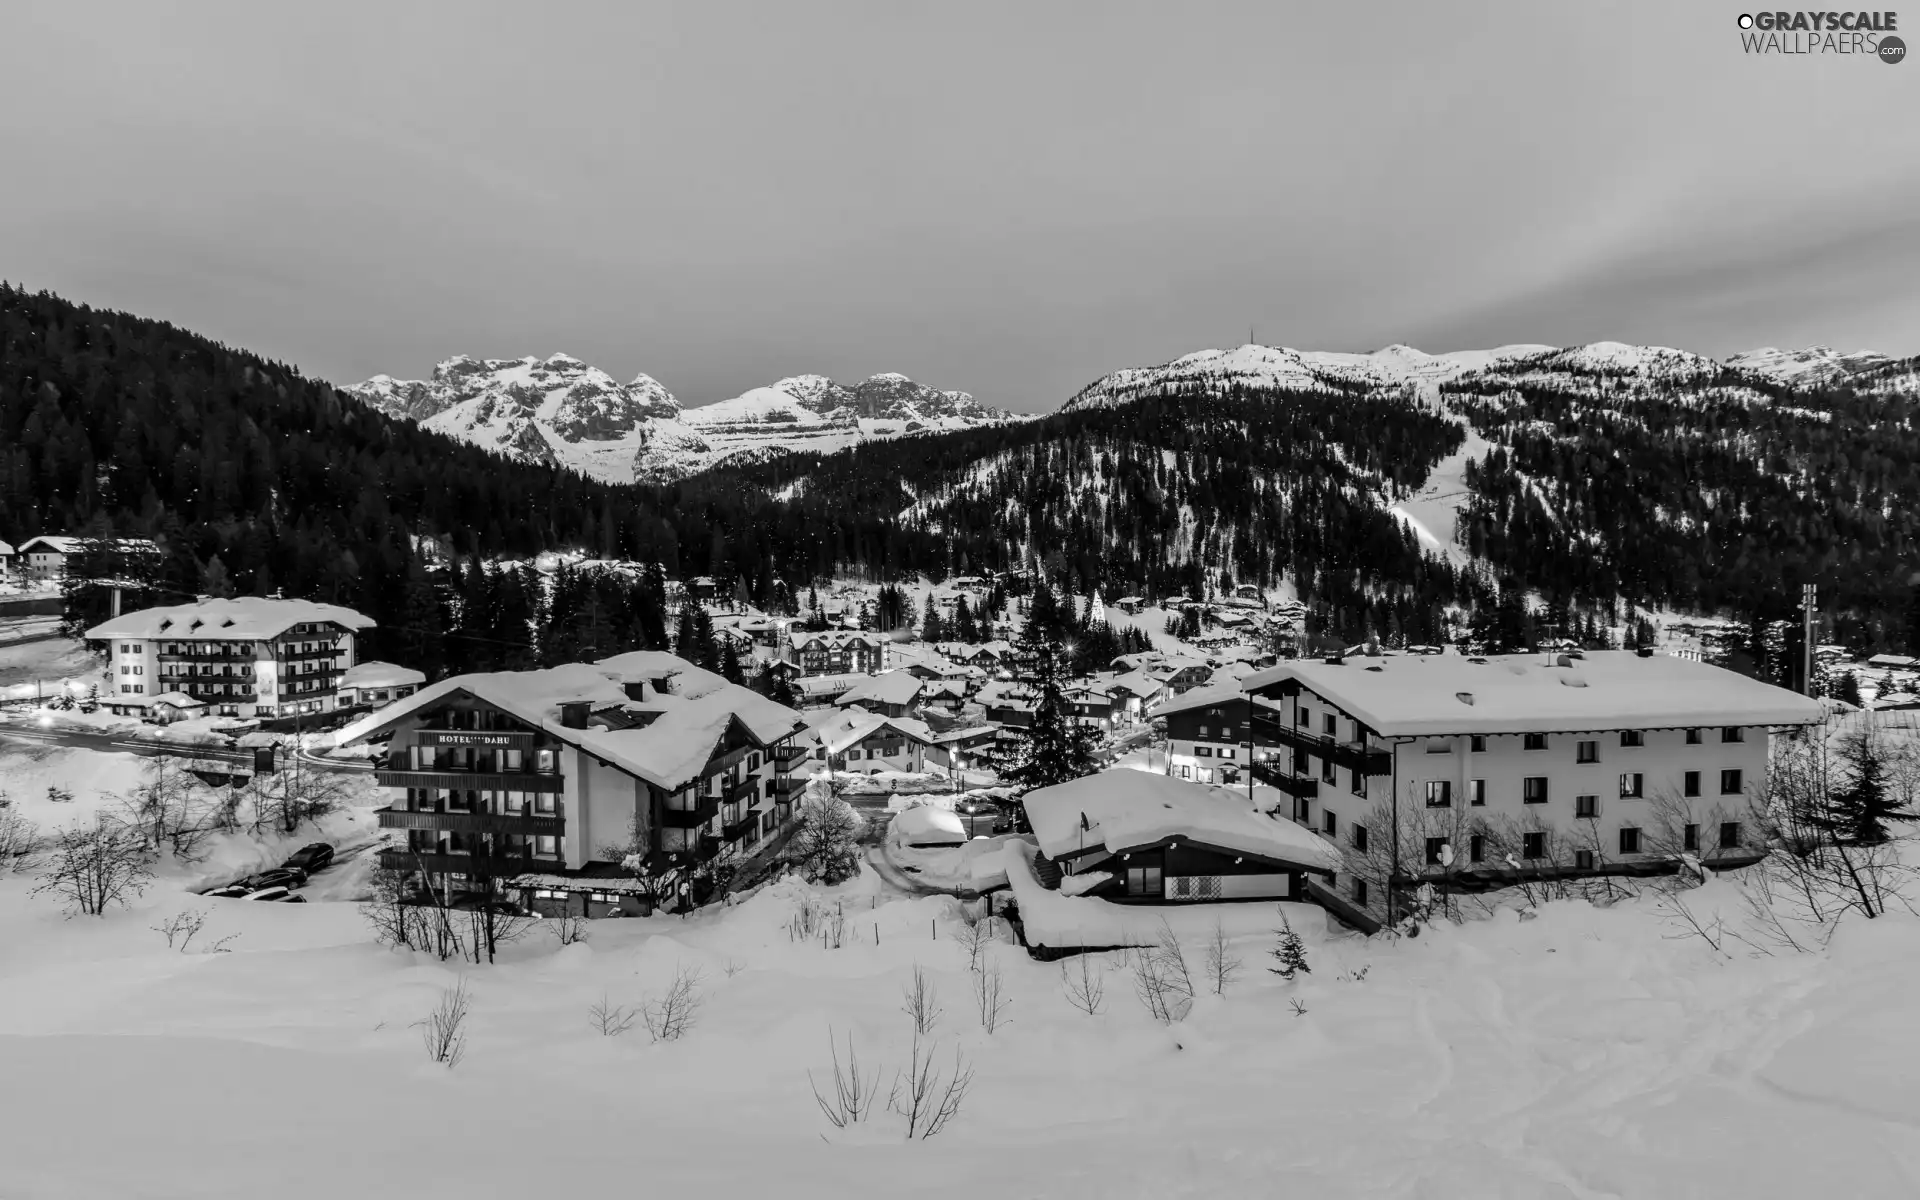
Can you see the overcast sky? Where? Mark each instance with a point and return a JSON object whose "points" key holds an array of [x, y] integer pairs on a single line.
{"points": [[1010, 199]]}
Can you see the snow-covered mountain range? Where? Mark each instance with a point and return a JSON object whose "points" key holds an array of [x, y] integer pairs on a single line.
{"points": [[560, 410], [1254, 366]]}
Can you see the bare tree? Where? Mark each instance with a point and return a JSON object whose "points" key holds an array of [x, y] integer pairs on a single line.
{"points": [[1085, 987], [928, 1100], [853, 1091], [611, 1019], [286, 800], [172, 809], [1161, 979], [921, 1001], [974, 932], [444, 1029], [633, 857], [567, 926], [19, 839], [90, 867], [670, 1015], [989, 995], [182, 926], [1222, 965]]}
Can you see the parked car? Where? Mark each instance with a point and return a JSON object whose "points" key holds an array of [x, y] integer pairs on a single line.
{"points": [[501, 905], [232, 891], [293, 898], [310, 859], [287, 877], [271, 893]]}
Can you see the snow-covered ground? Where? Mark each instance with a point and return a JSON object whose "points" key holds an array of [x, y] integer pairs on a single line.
{"points": [[1572, 1052]]}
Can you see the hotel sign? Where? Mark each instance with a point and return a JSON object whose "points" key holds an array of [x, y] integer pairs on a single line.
{"points": [[443, 737]]}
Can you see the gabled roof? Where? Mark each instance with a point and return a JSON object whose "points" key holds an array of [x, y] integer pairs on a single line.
{"points": [[376, 674], [1126, 810], [1201, 697], [63, 544], [242, 618], [894, 687], [5, 549], [852, 726], [1412, 695], [674, 733], [1138, 683]]}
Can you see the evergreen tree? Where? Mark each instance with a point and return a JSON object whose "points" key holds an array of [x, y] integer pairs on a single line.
{"points": [[214, 580], [931, 628], [1861, 811], [686, 643], [1290, 951], [963, 626], [1054, 747], [1848, 689], [706, 648], [730, 663]]}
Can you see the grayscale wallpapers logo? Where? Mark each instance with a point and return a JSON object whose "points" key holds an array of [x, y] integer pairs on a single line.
{"points": [[1867, 34]]}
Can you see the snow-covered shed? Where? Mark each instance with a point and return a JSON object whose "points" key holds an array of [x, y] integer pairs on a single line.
{"points": [[378, 683], [1163, 839]]}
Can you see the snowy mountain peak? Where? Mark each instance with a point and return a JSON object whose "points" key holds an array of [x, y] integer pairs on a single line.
{"points": [[1813, 365], [561, 411]]}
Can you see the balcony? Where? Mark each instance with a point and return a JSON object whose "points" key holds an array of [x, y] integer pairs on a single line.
{"points": [[747, 789], [787, 785], [690, 818], [435, 863], [747, 826], [1296, 786], [1355, 756], [487, 781], [787, 752], [725, 762], [531, 824]]}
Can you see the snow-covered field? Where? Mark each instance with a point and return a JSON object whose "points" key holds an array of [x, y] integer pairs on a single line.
{"points": [[1583, 1052]]}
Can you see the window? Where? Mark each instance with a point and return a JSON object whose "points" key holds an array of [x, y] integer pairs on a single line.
{"points": [[1476, 848], [1633, 785], [1730, 782], [1693, 737], [1360, 838], [1331, 822], [1356, 783], [1533, 789], [1223, 752], [546, 846], [1477, 744], [1533, 845], [1203, 752], [1632, 737], [1586, 752], [1733, 733], [1186, 771], [545, 802], [1690, 783], [1730, 835], [1629, 841], [1330, 724], [1203, 731], [1143, 881], [1439, 793], [513, 802], [1477, 793], [1439, 747], [1359, 891], [1302, 717], [1300, 766], [1328, 773], [1583, 860], [543, 760], [1586, 808], [1690, 838], [1436, 851], [1535, 741]]}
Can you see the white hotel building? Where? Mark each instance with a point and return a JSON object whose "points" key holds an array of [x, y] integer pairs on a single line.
{"points": [[243, 657], [1484, 772]]}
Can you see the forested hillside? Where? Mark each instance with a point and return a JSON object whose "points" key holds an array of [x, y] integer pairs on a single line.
{"points": [[253, 478]]}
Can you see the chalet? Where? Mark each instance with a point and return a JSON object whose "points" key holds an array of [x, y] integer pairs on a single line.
{"points": [[1130, 605], [1132, 694], [702, 587], [964, 748], [948, 696], [1248, 591], [244, 657], [1894, 662], [838, 652], [1089, 704], [935, 672], [1452, 769], [595, 789], [988, 656], [45, 558], [891, 695], [1144, 838], [825, 689], [868, 743], [1009, 708], [1179, 674], [1207, 733], [378, 683]]}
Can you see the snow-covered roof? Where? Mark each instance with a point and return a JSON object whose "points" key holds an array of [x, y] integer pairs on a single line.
{"points": [[62, 544], [376, 674], [680, 728], [1407, 695], [970, 733], [834, 639], [829, 685], [927, 825], [849, 727], [1200, 697], [894, 687], [1124, 810], [177, 700], [6, 549], [241, 618]]}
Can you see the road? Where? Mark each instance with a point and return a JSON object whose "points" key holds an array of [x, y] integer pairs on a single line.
{"points": [[18, 729]]}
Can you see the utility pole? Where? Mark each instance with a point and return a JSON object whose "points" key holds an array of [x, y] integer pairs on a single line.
{"points": [[1808, 598]]}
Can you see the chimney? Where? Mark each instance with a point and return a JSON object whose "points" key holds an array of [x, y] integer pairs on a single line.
{"points": [[573, 713]]}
